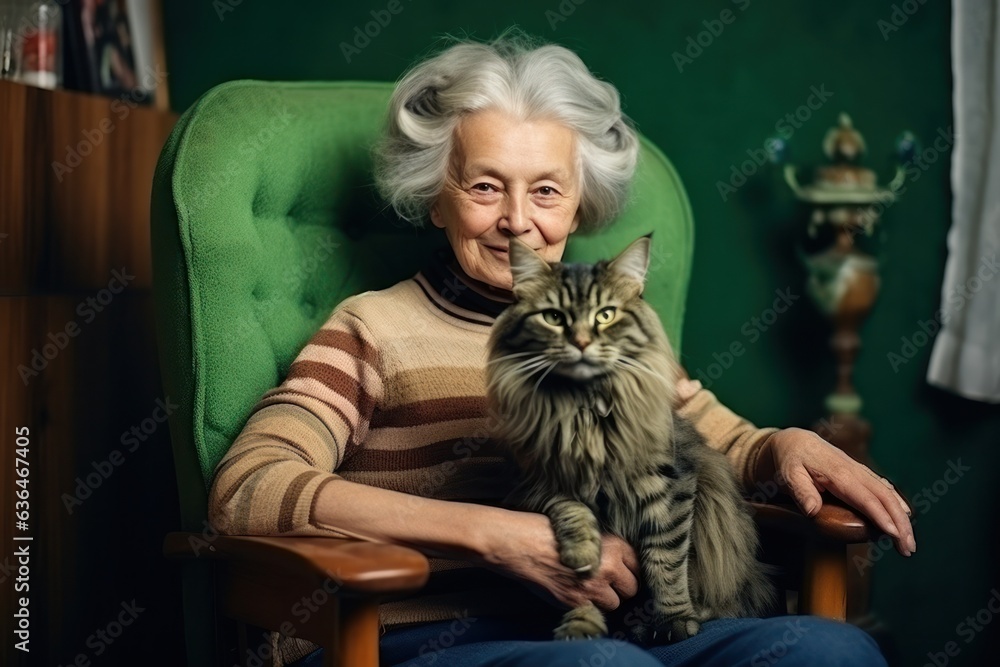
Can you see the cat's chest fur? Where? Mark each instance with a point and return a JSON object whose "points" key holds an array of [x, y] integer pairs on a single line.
{"points": [[601, 448]]}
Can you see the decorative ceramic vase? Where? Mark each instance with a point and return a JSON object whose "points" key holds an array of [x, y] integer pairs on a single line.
{"points": [[843, 281]]}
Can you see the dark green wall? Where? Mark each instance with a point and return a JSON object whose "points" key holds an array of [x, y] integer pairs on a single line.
{"points": [[726, 102]]}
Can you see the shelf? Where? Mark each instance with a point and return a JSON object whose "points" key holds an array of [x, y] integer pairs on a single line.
{"points": [[80, 359], [76, 173]]}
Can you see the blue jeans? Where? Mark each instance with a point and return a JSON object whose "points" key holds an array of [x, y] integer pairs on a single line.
{"points": [[789, 641]]}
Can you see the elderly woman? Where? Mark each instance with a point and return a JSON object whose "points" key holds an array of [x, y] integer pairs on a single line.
{"points": [[380, 430]]}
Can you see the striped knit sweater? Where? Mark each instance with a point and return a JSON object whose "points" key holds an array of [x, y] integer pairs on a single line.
{"points": [[391, 392]]}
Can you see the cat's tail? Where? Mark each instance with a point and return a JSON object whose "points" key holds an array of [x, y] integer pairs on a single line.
{"points": [[727, 578]]}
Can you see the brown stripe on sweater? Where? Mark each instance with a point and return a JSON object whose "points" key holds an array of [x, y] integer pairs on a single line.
{"points": [[337, 380], [429, 411], [291, 444], [294, 419], [453, 449], [352, 442], [421, 434], [249, 435], [286, 515], [315, 500], [331, 406], [352, 345], [234, 487], [242, 439], [488, 484]]}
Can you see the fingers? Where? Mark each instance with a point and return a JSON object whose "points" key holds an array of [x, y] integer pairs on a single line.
{"points": [[602, 594], [621, 566], [897, 509], [902, 503], [903, 506], [625, 583], [804, 490], [887, 496], [811, 465], [616, 580], [628, 555], [870, 495]]}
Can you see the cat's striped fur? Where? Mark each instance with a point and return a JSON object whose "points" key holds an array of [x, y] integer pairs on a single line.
{"points": [[581, 378]]}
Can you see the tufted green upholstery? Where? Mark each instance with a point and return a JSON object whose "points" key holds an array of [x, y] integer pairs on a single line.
{"points": [[264, 218]]}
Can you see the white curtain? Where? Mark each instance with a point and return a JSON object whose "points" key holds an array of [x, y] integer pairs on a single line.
{"points": [[966, 355]]}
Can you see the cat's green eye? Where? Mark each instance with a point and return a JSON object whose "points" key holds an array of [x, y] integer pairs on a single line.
{"points": [[605, 315], [553, 317]]}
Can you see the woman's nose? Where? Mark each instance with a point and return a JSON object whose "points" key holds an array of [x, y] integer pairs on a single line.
{"points": [[514, 219]]}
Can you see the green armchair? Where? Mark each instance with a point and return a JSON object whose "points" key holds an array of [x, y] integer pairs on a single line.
{"points": [[263, 219]]}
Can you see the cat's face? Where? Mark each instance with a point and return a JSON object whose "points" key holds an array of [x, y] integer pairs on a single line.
{"points": [[577, 321]]}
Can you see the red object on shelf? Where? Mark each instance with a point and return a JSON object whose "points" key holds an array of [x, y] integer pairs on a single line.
{"points": [[40, 51]]}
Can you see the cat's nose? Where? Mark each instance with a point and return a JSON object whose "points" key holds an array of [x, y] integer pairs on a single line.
{"points": [[581, 342]]}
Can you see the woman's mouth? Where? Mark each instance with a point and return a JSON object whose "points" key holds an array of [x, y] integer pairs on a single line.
{"points": [[498, 251]]}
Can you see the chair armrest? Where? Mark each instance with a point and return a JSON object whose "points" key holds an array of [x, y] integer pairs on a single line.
{"points": [[360, 568], [833, 522]]}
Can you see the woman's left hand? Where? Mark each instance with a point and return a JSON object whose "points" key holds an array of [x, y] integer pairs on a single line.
{"points": [[808, 465]]}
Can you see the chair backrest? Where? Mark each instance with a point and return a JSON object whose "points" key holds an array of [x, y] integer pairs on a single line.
{"points": [[264, 218]]}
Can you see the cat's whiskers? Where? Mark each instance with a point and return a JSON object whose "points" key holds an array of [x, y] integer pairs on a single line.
{"points": [[533, 368], [512, 356], [532, 365], [523, 362], [637, 365], [535, 388]]}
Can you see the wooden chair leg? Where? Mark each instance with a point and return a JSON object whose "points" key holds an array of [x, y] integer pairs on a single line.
{"points": [[824, 581], [346, 627], [357, 636]]}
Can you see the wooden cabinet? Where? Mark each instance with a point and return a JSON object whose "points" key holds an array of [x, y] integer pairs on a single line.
{"points": [[79, 369]]}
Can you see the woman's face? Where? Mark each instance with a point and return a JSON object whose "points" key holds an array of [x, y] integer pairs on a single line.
{"points": [[508, 178]]}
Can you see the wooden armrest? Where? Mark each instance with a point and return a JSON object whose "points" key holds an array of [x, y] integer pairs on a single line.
{"points": [[361, 568], [833, 522], [283, 584]]}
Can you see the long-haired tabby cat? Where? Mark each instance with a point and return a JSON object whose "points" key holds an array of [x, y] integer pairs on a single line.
{"points": [[582, 379]]}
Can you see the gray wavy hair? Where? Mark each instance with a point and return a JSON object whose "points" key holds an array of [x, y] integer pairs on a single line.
{"points": [[519, 75]]}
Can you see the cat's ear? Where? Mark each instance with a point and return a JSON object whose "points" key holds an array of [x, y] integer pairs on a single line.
{"points": [[633, 262], [525, 264]]}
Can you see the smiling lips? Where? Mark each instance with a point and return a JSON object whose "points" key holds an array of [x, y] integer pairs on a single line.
{"points": [[502, 250]]}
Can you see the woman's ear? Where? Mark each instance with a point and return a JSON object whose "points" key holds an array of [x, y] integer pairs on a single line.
{"points": [[435, 214], [576, 221]]}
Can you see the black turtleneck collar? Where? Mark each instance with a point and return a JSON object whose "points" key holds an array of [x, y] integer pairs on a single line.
{"points": [[453, 292]]}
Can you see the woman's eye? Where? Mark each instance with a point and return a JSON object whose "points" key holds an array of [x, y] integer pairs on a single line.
{"points": [[553, 317], [546, 190], [605, 315], [482, 187]]}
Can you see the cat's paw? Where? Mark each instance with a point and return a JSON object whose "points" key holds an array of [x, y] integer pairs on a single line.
{"points": [[682, 628], [666, 631], [583, 556], [585, 622], [578, 536]]}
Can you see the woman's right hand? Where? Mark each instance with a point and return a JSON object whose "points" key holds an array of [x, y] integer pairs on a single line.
{"points": [[522, 545]]}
